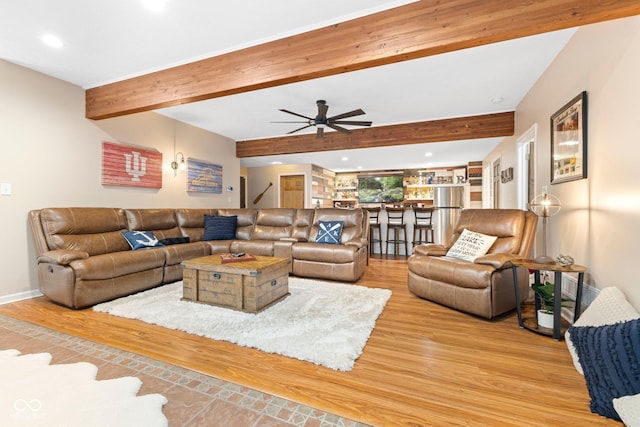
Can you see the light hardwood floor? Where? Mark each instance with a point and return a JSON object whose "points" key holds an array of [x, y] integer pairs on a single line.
{"points": [[423, 365]]}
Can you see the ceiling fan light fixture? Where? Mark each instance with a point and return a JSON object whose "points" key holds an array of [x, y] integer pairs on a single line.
{"points": [[321, 121]]}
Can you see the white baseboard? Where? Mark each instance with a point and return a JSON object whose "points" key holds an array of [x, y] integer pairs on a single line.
{"points": [[20, 296]]}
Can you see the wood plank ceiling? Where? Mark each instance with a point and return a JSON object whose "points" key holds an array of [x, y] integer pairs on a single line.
{"points": [[416, 30]]}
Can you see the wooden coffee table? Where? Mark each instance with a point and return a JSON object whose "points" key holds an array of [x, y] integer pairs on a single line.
{"points": [[248, 286]]}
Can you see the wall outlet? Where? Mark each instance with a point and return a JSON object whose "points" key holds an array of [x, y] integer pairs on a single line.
{"points": [[544, 189]]}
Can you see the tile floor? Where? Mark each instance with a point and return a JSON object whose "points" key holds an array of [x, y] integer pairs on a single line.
{"points": [[194, 399]]}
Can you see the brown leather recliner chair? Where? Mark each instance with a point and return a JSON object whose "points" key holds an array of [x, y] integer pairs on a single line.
{"points": [[483, 287]]}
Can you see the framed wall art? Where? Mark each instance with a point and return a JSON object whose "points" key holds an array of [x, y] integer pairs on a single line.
{"points": [[569, 141], [131, 166], [204, 177]]}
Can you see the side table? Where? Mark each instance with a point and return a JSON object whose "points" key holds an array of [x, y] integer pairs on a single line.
{"points": [[532, 324]]}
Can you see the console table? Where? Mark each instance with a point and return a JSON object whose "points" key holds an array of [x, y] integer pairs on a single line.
{"points": [[532, 323]]}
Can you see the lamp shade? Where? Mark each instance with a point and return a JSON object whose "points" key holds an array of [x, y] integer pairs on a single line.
{"points": [[545, 205]]}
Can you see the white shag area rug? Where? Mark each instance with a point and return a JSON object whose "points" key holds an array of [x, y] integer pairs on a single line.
{"points": [[35, 393], [320, 322]]}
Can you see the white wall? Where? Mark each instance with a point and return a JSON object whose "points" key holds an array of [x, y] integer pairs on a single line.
{"points": [[51, 155], [259, 178], [600, 218]]}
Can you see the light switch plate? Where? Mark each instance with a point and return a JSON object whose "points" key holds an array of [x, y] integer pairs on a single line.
{"points": [[5, 189]]}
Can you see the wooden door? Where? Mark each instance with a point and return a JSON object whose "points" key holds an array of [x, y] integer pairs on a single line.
{"points": [[292, 191], [496, 183]]}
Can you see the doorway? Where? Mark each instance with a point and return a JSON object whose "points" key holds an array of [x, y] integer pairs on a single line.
{"points": [[495, 183], [526, 161], [243, 192], [292, 191]]}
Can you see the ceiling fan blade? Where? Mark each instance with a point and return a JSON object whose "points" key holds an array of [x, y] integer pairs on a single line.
{"points": [[303, 127], [357, 112], [300, 121], [296, 114], [338, 128], [320, 132], [350, 122], [322, 109]]}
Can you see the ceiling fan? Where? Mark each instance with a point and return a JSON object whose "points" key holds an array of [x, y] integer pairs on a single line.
{"points": [[321, 120]]}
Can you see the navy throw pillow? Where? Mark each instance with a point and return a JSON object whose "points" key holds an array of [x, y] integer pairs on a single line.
{"points": [[141, 239], [175, 240], [218, 227], [610, 359], [329, 232]]}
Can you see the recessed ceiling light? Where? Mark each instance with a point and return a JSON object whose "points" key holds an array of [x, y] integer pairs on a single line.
{"points": [[52, 41], [276, 163], [497, 100], [155, 5], [428, 154], [344, 159], [359, 167]]}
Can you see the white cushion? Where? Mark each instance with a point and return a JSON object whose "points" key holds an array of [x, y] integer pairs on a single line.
{"points": [[609, 307], [471, 245], [628, 407]]}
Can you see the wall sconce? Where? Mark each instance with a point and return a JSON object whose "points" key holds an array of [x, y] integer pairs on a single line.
{"points": [[175, 165]]}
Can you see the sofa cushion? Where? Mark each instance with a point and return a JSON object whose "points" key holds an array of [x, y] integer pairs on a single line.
{"points": [[609, 307], [273, 224], [610, 359], [162, 222], [175, 254], [302, 224], [323, 253], [116, 264], [217, 227], [329, 232], [246, 221], [151, 219], [446, 269], [506, 224], [92, 230], [191, 222], [471, 245], [253, 247], [141, 239]]}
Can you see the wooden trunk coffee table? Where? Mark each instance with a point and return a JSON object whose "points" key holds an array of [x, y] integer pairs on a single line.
{"points": [[248, 286]]}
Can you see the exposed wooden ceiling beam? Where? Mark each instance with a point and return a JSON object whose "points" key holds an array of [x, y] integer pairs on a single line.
{"points": [[474, 127], [416, 30]]}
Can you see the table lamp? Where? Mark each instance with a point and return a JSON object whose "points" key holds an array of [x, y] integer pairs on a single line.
{"points": [[545, 205]]}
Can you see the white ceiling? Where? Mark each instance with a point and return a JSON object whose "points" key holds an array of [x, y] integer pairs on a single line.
{"points": [[110, 41]]}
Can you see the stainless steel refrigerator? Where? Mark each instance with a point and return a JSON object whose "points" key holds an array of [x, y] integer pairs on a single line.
{"points": [[448, 201]]}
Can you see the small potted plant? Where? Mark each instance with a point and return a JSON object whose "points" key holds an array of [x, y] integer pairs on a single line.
{"points": [[545, 293]]}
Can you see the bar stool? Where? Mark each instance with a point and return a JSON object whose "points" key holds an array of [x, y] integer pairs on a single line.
{"points": [[374, 225], [397, 225], [422, 226]]}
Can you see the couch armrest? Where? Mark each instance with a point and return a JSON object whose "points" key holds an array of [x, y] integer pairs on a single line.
{"points": [[356, 242], [431, 249], [62, 256], [498, 261]]}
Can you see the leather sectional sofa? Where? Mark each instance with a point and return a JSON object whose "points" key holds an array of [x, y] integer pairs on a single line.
{"points": [[83, 258]]}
